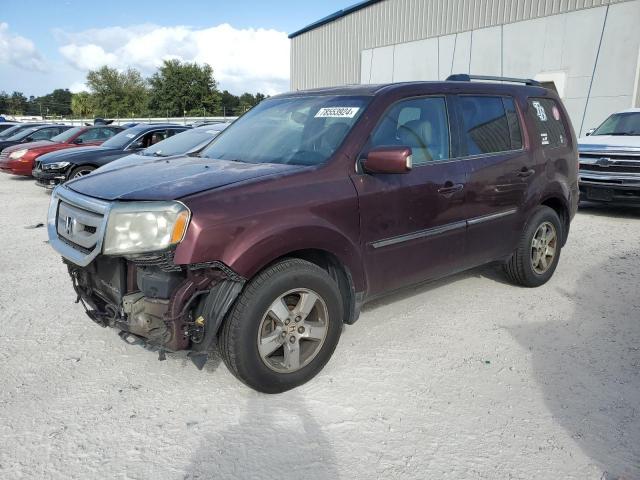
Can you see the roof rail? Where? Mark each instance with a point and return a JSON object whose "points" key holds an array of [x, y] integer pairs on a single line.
{"points": [[463, 77]]}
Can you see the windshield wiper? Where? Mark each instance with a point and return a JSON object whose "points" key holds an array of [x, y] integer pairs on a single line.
{"points": [[622, 133]]}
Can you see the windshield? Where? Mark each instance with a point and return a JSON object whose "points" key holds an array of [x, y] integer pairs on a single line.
{"points": [[297, 130], [67, 134], [23, 133], [182, 143], [122, 139], [627, 123], [9, 132]]}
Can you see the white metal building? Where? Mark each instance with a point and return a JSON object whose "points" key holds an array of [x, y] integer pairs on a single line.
{"points": [[589, 49]]}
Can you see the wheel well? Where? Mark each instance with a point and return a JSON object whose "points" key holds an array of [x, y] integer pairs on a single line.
{"points": [[563, 212], [339, 272]]}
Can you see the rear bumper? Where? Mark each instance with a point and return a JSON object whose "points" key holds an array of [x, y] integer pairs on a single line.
{"points": [[615, 188]]}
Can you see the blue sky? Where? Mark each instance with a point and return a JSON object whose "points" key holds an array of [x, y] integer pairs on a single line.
{"points": [[52, 44]]}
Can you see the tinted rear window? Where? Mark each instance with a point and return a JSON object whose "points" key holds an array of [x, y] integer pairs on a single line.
{"points": [[486, 127], [548, 120]]}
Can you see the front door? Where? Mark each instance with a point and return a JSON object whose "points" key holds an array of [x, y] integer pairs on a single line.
{"points": [[413, 225]]}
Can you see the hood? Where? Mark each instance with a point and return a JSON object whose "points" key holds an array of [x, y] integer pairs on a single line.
{"points": [[170, 178], [609, 142], [6, 143], [30, 145], [76, 153]]}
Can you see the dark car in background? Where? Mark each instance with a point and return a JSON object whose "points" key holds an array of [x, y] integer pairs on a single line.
{"points": [[32, 134], [16, 128], [4, 126], [188, 142], [313, 203], [610, 160], [58, 167], [20, 159]]}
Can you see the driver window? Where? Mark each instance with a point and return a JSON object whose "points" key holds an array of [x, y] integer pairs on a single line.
{"points": [[149, 138], [419, 123], [89, 135], [44, 134]]}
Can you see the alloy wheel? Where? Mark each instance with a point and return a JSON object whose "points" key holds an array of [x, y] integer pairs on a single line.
{"points": [[293, 330], [543, 247], [81, 173]]}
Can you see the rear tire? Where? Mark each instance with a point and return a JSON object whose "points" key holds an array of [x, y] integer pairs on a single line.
{"points": [[538, 252], [80, 171], [283, 328]]}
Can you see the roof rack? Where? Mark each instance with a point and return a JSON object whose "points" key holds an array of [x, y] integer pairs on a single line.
{"points": [[463, 77]]}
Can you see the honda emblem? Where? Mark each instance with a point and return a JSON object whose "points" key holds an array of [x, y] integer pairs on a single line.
{"points": [[69, 222]]}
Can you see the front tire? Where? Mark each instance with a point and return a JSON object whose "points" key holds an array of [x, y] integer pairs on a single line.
{"points": [[284, 326], [538, 251], [80, 171]]}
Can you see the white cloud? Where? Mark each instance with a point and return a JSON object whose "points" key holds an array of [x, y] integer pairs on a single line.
{"points": [[19, 51], [77, 87], [242, 59]]}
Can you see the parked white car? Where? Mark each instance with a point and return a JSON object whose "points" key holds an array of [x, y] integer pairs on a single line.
{"points": [[610, 160]]}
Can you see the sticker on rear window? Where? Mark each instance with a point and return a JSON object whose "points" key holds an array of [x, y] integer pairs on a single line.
{"points": [[542, 115], [337, 112], [544, 138]]}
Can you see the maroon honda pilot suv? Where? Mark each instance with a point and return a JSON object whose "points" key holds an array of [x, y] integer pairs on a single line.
{"points": [[312, 204]]}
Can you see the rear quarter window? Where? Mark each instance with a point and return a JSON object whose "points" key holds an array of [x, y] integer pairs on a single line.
{"points": [[549, 124]]}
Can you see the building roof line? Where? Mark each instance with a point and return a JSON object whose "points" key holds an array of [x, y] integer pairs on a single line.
{"points": [[334, 16]]}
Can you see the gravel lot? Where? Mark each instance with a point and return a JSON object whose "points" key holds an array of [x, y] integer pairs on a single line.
{"points": [[467, 377]]}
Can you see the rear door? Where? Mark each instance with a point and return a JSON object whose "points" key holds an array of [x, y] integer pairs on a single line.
{"points": [[413, 224], [500, 172]]}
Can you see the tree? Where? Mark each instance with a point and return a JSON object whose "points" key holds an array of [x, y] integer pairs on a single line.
{"points": [[179, 87], [17, 103], [118, 93], [4, 102], [82, 104], [230, 102], [57, 102]]}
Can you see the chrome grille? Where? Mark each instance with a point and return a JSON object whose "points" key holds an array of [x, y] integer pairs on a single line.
{"points": [[4, 155], [610, 161], [76, 225]]}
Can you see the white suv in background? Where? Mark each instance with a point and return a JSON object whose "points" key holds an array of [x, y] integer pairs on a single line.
{"points": [[610, 160]]}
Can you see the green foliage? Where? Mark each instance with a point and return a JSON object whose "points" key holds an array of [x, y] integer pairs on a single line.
{"points": [[56, 103], [175, 88], [82, 104], [14, 104], [118, 94], [179, 87]]}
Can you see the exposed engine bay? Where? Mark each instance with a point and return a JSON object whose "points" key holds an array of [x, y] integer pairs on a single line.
{"points": [[156, 303]]}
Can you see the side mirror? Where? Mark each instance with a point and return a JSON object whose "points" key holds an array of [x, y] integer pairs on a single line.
{"points": [[27, 140], [388, 160], [590, 131], [77, 141]]}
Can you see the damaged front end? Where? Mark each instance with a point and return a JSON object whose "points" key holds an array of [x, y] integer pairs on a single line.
{"points": [[150, 299]]}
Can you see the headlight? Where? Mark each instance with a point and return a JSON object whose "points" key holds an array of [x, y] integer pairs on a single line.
{"points": [[141, 227], [18, 154], [55, 165]]}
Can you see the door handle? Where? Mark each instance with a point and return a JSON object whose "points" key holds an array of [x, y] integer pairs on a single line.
{"points": [[526, 172], [449, 188]]}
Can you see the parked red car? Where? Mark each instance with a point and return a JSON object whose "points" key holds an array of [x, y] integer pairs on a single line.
{"points": [[20, 159]]}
